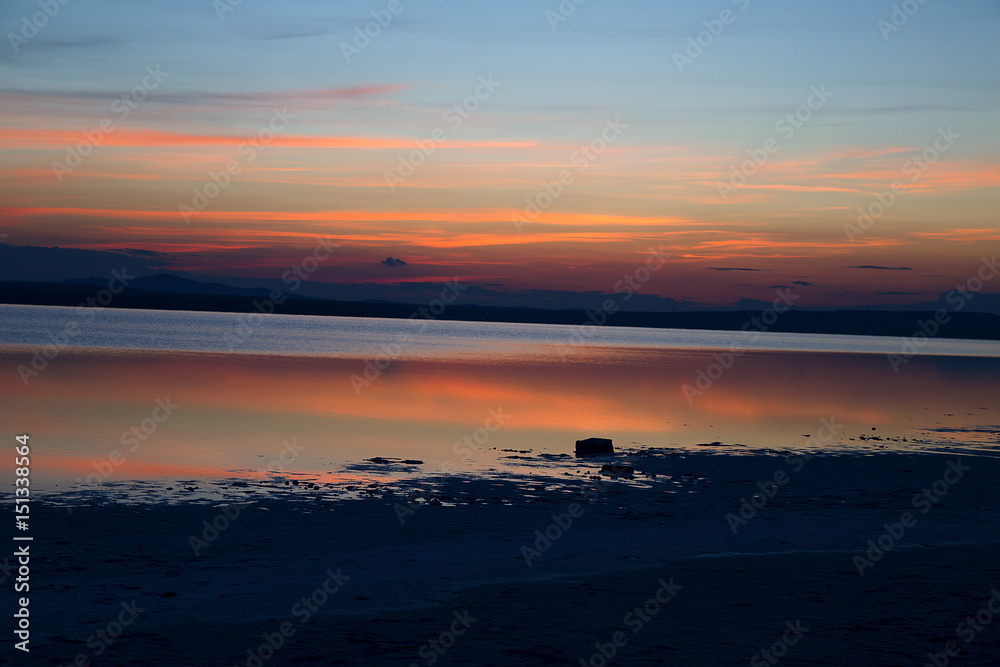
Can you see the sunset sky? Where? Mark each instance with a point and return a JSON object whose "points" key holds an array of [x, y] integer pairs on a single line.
{"points": [[337, 129]]}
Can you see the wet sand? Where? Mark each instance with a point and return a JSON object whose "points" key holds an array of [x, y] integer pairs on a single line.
{"points": [[352, 583]]}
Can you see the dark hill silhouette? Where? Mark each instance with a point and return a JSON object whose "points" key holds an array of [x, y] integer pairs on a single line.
{"points": [[168, 283]]}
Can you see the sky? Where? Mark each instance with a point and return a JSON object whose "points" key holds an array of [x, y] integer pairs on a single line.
{"points": [[524, 145]]}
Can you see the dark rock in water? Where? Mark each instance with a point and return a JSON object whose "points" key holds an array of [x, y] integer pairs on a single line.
{"points": [[389, 460], [617, 469], [592, 446]]}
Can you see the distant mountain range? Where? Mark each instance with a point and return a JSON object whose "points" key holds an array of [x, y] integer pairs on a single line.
{"points": [[172, 284], [171, 292]]}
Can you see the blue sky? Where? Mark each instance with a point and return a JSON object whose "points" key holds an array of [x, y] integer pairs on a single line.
{"points": [[686, 130]]}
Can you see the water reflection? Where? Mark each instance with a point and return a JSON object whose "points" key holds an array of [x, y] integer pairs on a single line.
{"points": [[236, 411]]}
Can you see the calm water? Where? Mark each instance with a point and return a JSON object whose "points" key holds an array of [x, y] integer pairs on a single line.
{"points": [[372, 337], [326, 393]]}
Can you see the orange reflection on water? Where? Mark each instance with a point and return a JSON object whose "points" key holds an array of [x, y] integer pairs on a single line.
{"points": [[235, 412]]}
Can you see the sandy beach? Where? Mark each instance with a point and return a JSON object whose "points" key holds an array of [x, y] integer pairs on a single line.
{"points": [[666, 566]]}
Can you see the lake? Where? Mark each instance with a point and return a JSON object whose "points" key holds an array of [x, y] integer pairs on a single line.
{"points": [[165, 395]]}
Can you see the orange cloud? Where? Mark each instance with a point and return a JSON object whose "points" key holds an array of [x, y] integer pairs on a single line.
{"points": [[144, 138], [963, 236], [430, 215]]}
